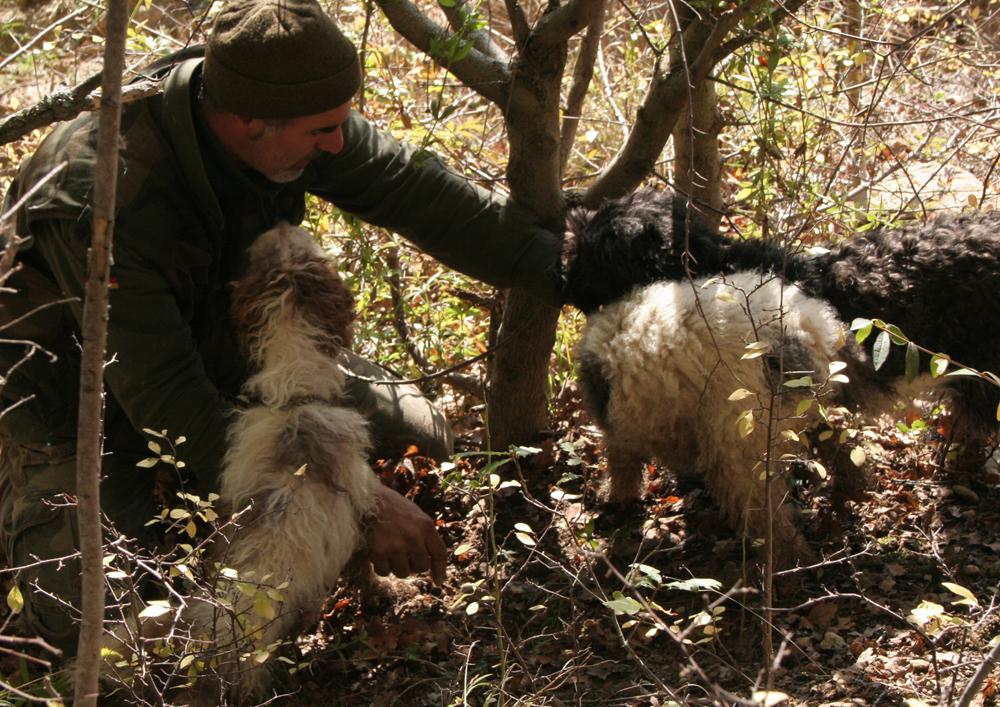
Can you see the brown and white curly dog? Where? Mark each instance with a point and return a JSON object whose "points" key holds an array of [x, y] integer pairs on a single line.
{"points": [[296, 479], [662, 355]]}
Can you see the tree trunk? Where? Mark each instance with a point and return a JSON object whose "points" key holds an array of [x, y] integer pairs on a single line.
{"points": [[518, 387]]}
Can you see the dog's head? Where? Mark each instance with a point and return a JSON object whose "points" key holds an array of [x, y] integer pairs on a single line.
{"points": [[645, 237], [291, 281]]}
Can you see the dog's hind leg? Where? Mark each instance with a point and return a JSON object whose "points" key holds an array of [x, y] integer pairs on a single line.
{"points": [[625, 471]]}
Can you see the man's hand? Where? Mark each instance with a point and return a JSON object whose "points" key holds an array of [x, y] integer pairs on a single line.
{"points": [[404, 540]]}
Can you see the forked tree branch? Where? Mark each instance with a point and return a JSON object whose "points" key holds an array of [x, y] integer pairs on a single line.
{"points": [[484, 75], [668, 95], [457, 15], [565, 21]]}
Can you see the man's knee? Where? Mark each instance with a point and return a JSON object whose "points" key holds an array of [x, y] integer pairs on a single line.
{"points": [[400, 415], [38, 533]]}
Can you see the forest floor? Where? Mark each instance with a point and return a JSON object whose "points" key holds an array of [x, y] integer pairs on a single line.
{"points": [[533, 622]]}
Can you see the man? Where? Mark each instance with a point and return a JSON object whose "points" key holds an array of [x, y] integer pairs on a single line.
{"points": [[229, 148]]}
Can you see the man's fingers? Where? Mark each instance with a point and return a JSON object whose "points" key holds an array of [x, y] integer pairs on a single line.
{"points": [[438, 555], [381, 566]]}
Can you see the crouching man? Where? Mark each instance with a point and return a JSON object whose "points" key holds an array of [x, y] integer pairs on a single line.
{"points": [[229, 148]]}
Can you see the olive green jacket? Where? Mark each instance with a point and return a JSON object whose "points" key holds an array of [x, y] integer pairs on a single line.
{"points": [[185, 216]]}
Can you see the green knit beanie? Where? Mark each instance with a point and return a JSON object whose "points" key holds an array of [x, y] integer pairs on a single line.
{"points": [[279, 59]]}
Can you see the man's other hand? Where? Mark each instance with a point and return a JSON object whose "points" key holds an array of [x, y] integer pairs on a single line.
{"points": [[405, 541]]}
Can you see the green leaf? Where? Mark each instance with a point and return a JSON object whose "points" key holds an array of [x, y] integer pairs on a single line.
{"points": [[803, 382], [912, 362], [804, 406], [897, 336], [622, 604], [880, 351], [696, 584], [863, 327], [526, 451]]}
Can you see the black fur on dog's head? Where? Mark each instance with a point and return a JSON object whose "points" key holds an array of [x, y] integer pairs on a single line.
{"points": [[645, 237]]}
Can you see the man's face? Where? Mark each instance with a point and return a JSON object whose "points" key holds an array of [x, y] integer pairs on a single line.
{"points": [[280, 154]]}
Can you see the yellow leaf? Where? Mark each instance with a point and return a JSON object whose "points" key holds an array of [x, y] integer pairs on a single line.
{"points": [[967, 596], [858, 456], [725, 297], [740, 393], [191, 529], [769, 699], [526, 539], [263, 607], [14, 600], [155, 609], [301, 471]]}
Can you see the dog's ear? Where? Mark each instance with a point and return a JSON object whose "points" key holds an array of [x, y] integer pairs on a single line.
{"points": [[576, 222], [321, 293]]}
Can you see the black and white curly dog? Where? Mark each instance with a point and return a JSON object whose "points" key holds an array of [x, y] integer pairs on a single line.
{"points": [[296, 475], [662, 354]]}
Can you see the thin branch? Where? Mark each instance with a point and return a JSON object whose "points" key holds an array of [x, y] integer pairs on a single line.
{"points": [[583, 73], [518, 22], [34, 40], [66, 104]]}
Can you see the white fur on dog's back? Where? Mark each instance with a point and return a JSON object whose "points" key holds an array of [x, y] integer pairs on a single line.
{"points": [[296, 529], [671, 354]]}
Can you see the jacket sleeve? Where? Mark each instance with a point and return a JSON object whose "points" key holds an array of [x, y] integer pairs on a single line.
{"points": [[398, 187], [155, 372]]}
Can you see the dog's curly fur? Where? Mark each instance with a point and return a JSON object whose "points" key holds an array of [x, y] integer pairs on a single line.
{"points": [[661, 353], [295, 529]]}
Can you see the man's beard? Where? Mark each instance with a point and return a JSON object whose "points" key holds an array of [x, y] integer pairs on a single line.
{"points": [[289, 175]]}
